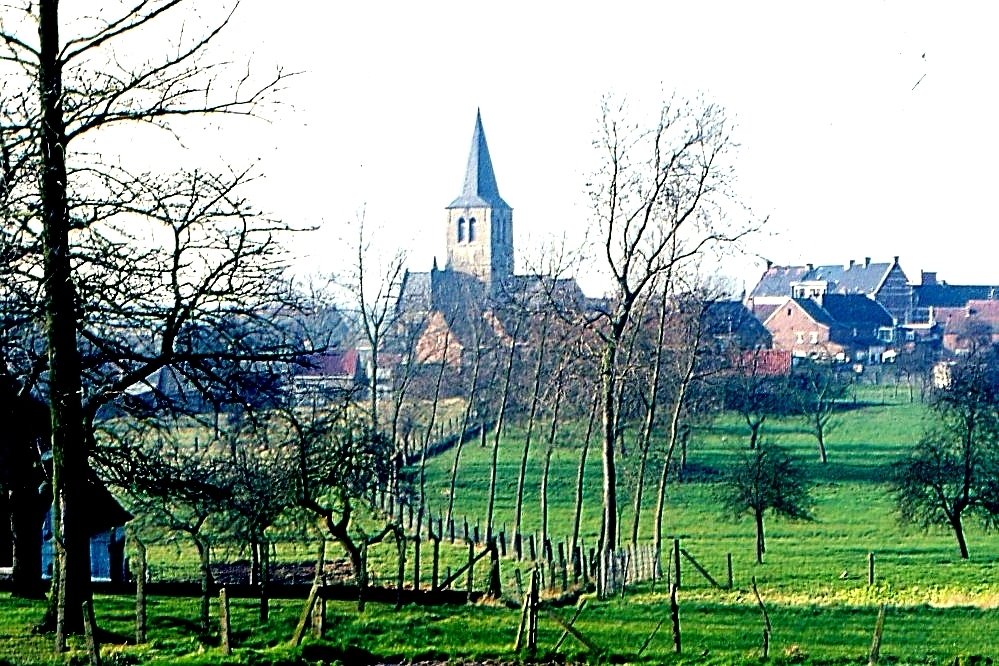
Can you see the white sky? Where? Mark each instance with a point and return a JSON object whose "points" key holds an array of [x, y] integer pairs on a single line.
{"points": [[840, 146]]}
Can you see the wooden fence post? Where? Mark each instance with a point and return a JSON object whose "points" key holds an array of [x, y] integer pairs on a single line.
{"points": [[319, 618], [89, 630], [563, 566], [532, 620], [728, 562], [225, 628], [879, 626], [495, 590], [870, 569]]}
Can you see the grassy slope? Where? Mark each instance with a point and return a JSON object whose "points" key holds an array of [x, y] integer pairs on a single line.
{"points": [[940, 606]]}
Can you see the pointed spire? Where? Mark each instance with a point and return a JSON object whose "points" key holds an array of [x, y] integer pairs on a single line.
{"points": [[480, 188]]}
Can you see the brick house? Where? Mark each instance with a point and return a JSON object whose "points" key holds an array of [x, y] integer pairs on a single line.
{"points": [[966, 328], [843, 327]]}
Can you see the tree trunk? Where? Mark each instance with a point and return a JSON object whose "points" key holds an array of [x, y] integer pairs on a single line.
{"points": [[580, 478], [760, 543], [820, 436], [535, 397], [27, 512], [609, 532], [499, 430], [956, 524], [205, 560], [465, 422], [70, 464]]}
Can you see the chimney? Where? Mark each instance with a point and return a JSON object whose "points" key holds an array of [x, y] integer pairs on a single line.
{"points": [[896, 259], [867, 262], [769, 264], [928, 278], [852, 262], [811, 267]]}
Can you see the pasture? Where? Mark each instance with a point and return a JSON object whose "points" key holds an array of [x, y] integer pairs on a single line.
{"points": [[814, 580]]}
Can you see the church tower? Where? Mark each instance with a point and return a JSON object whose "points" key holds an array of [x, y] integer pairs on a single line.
{"points": [[479, 222]]}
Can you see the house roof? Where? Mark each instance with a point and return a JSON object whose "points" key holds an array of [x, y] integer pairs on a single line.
{"points": [[340, 363], [480, 189], [961, 320], [776, 281], [854, 278], [951, 295], [814, 310], [416, 293], [734, 318], [855, 309]]}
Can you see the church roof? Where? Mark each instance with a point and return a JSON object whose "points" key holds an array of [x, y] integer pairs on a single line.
{"points": [[480, 188]]}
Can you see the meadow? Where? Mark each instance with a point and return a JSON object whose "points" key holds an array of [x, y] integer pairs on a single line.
{"points": [[813, 580]]}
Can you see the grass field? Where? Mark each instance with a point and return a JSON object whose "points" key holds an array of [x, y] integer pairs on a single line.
{"points": [[813, 581]]}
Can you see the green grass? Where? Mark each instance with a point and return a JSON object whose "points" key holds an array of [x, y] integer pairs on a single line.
{"points": [[813, 579]]}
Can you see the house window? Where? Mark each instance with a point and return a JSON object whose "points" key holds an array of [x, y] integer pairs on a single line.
{"points": [[461, 229], [799, 338], [471, 229], [814, 337]]}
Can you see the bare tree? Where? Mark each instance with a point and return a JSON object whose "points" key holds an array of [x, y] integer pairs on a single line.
{"points": [[820, 388], [81, 85], [660, 202]]}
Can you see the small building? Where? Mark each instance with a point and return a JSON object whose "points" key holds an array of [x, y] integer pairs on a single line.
{"points": [[329, 375], [105, 525]]}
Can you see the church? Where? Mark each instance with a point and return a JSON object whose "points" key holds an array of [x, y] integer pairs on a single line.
{"points": [[478, 278]]}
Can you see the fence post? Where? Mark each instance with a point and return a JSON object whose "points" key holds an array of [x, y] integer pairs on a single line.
{"points": [[563, 566], [870, 568], [532, 548], [875, 653], [495, 584]]}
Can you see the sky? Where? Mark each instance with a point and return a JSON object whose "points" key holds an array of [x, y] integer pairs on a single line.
{"points": [[866, 129]]}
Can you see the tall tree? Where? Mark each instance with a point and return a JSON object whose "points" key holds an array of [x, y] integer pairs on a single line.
{"points": [[660, 201], [820, 388], [81, 85]]}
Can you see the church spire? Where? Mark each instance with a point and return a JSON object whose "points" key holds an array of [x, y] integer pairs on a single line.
{"points": [[480, 188]]}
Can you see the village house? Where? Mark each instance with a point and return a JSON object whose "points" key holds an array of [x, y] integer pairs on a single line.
{"points": [[972, 326], [833, 327]]}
